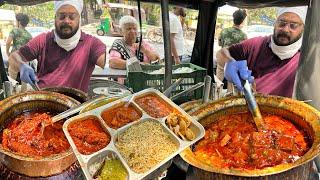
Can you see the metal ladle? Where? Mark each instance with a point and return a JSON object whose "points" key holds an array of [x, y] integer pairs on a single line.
{"points": [[71, 111], [35, 86], [252, 105], [250, 99]]}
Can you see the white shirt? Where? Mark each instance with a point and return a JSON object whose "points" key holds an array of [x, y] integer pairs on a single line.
{"points": [[176, 28]]}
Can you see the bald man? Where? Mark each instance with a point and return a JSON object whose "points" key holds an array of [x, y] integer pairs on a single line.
{"points": [[66, 56], [272, 60]]}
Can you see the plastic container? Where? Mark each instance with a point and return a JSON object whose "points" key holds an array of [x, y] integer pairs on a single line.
{"points": [[138, 80]]}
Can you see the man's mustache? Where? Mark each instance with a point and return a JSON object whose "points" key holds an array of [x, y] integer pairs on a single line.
{"points": [[63, 26], [283, 34]]}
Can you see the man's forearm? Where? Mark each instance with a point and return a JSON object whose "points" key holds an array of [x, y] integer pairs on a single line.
{"points": [[223, 56], [7, 50], [8, 45], [15, 60], [173, 46]]}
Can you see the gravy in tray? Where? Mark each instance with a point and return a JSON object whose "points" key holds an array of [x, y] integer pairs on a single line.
{"points": [[88, 135], [154, 106], [119, 116]]}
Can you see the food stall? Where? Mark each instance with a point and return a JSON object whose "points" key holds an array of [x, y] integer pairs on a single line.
{"points": [[297, 113]]}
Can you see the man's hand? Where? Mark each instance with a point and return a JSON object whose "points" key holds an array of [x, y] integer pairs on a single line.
{"points": [[27, 74], [177, 60], [235, 70]]}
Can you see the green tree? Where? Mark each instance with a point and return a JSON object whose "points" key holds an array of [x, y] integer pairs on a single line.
{"points": [[254, 15], [40, 14]]}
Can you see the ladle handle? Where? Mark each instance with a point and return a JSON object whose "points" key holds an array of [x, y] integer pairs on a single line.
{"points": [[73, 110], [35, 86], [252, 104], [206, 88]]}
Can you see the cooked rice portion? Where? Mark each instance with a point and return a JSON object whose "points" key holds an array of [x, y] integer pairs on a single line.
{"points": [[144, 145]]}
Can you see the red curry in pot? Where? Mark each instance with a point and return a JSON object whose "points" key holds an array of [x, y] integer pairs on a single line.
{"points": [[232, 141], [23, 136], [119, 116], [154, 106], [88, 135]]}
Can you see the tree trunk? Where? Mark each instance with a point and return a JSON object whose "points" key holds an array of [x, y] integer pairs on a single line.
{"points": [[85, 15]]}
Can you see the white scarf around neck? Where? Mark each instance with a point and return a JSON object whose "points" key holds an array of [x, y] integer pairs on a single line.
{"points": [[68, 44], [285, 52]]}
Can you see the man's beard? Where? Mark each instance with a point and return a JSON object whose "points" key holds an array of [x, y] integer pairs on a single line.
{"points": [[284, 35], [63, 35]]}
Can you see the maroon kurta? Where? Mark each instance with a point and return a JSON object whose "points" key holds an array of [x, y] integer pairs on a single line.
{"points": [[58, 67], [272, 75]]}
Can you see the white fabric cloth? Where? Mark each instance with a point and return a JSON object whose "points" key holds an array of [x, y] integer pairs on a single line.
{"points": [[78, 4], [176, 27], [285, 52], [301, 11], [68, 44]]}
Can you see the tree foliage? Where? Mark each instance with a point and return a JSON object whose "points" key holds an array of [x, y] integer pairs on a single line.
{"points": [[40, 15], [255, 15]]}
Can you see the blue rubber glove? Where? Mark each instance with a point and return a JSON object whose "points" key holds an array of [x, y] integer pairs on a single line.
{"points": [[235, 70], [27, 74]]}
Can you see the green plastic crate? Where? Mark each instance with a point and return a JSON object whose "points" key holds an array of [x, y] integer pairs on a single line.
{"points": [[138, 80]]}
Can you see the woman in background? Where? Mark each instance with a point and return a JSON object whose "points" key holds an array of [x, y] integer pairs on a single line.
{"points": [[127, 47]]}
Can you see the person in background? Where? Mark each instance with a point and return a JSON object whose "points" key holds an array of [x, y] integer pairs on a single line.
{"points": [[127, 47], [18, 37], [182, 17], [66, 56], [272, 60], [176, 35], [234, 34], [228, 37]]}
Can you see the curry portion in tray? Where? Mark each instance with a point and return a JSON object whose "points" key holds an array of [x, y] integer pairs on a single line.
{"points": [[154, 106], [88, 135], [120, 115]]}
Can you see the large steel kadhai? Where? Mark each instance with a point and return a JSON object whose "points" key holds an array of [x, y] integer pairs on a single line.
{"points": [[299, 113], [35, 101]]}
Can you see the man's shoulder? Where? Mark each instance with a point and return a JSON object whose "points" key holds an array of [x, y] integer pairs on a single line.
{"points": [[16, 31], [260, 39], [43, 37], [227, 29], [87, 36]]}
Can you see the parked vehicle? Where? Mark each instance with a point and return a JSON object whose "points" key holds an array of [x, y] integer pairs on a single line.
{"points": [[35, 31], [258, 30], [109, 20]]}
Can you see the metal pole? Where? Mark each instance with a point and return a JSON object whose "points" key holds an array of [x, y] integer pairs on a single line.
{"points": [[3, 74], [167, 46], [307, 83]]}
